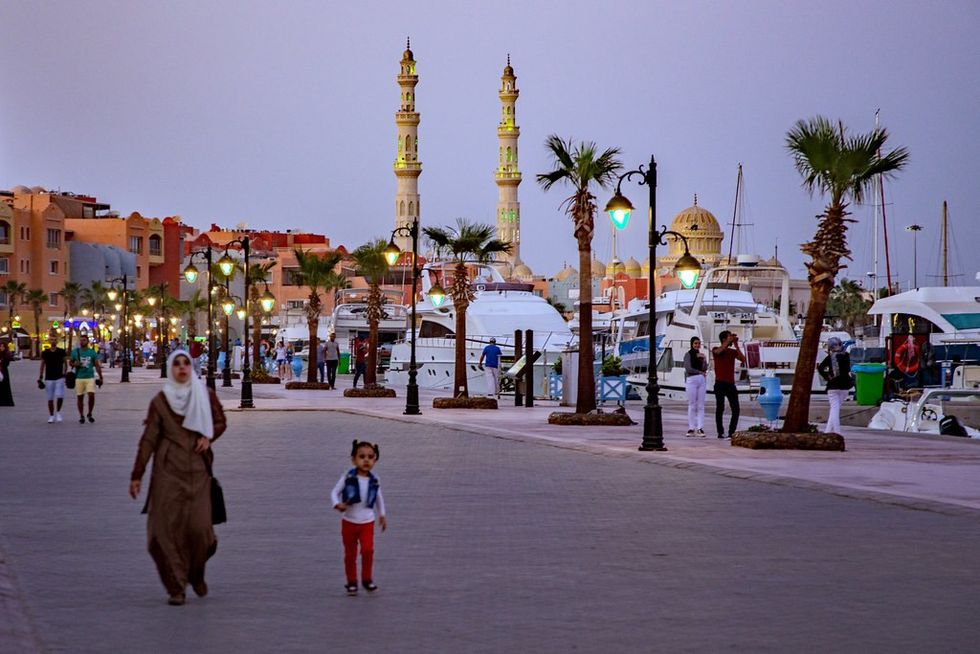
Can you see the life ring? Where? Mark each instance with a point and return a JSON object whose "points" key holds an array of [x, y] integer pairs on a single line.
{"points": [[907, 357]]}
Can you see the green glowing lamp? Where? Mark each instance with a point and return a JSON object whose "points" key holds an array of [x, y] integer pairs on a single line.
{"points": [[392, 252], [619, 208], [191, 273], [437, 295], [268, 301], [228, 306], [226, 265], [687, 269]]}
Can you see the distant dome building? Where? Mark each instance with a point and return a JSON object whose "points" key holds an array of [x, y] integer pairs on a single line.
{"points": [[615, 266], [522, 272], [633, 268], [565, 273], [598, 268], [704, 237]]}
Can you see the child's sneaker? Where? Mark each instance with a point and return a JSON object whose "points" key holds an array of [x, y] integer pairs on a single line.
{"points": [[351, 588], [370, 586], [701, 433], [690, 432]]}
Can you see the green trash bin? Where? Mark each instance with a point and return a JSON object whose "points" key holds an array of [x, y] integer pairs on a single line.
{"points": [[344, 366], [870, 381]]}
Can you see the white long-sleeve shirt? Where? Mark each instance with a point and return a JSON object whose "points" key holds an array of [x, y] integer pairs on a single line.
{"points": [[358, 513]]}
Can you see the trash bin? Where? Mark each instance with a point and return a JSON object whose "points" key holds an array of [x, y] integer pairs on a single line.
{"points": [[870, 381], [343, 367]]}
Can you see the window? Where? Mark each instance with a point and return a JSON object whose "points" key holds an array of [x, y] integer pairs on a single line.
{"points": [[136, 244], [25, 233], [139, 271], [52, 299], [3, 298], [4, 232], [54, 239], [295, 304], [25, 266], [290, 277], [52, 267], [156, 248], [4, 266]]}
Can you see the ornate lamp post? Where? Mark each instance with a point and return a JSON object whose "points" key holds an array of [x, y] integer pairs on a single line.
{"points": [[227, 266], [190, 274], [112, 294], [687, 269]]}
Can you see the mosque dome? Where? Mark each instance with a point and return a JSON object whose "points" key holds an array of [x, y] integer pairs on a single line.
{"points": [[21, 190], [521, 271], [565, 273], [704, 236], [632, 267], [598, 268], [38, 189], [615, 267], [645, 268], [773, 261]]}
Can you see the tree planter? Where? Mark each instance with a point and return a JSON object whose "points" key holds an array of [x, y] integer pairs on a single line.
{"points": [[306, 386], [264, 378], [376, 391], [590, 419], [464, 403], [776, 440]]}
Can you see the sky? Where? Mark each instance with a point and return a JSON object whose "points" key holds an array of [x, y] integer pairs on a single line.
{"points": [[281, 115]]}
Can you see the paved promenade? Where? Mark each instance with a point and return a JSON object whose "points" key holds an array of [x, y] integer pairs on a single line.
{"points": [[505, 534]]}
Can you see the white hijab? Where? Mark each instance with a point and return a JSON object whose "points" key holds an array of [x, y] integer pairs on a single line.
{"points": [[189, 399]]}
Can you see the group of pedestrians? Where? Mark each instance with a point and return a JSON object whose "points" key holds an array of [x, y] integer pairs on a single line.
{"points": [[835, 369], [723, 356], [182, 422]]}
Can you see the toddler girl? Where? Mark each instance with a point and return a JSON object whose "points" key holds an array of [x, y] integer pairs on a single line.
{"points": [[358, 496]]}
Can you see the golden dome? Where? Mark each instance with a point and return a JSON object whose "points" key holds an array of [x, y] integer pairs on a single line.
{"points": [[565, 273], [700, 227], [773, 261], [521, 271], [645, 268], [508, 71], [615, 266], [408, 55], [696, 220], [633, 268], [598, 268]]}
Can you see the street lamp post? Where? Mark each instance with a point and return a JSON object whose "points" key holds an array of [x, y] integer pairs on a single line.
{"points": [[227, 266], [113, 293], [190, 274], [915, 229], [687, 270], [392, 252]]}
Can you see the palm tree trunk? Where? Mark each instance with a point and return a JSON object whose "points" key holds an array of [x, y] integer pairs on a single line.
{"points": [[798, 411], [37, 332], [311, 377], [461, 387], [371, 374], [585, 402], [256, 341]]}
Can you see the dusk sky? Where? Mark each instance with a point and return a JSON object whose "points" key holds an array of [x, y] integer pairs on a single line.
{"points": [[281, 115]]}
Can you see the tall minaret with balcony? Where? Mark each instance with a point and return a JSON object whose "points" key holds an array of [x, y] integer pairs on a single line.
{"points": [[508, 175], [407, 164]]}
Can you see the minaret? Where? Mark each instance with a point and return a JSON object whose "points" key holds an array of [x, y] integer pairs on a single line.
{"points": [[508, 175], [407, 164]]}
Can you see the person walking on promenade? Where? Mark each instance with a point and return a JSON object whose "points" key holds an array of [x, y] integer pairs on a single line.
{"points": [[6, 396], [724, 356], [321, 364], [332, 356], [695, 381], [357, 494], [836, 371], [491, 369], [52, 377], [85, 361], [281, 360], [182, 422], [359, 352]]}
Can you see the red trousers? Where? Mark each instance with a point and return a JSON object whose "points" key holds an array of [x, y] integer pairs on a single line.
{"points": [[353, 534]]}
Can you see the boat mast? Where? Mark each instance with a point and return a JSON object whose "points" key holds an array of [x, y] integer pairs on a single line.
{"points": [[884, 220], [945, 248], [735, 220]]}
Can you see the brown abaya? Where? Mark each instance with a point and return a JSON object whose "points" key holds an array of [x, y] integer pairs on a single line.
{"points": [[180, 535]]}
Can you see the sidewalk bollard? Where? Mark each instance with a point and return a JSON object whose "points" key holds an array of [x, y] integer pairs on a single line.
{"points": [[518, 351], [529, 368]]}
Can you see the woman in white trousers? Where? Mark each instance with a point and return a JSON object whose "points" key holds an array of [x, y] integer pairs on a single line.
{"points": [[836, 370], [695, 382]]}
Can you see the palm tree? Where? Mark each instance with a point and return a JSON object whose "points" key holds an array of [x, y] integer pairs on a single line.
{"points": [[14, 291], [372, 265], [257, 273], [71, 292], [192, 306], [580, 166], [849, 304], [316, 272], [841, 166], [36, 298], [466, 242]]}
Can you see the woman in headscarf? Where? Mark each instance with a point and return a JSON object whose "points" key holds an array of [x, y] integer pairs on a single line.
{"points": [[182, 422], [6, 396], [836, 371]]}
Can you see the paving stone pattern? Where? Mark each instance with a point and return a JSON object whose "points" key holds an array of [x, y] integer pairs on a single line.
{"points": [[493, 545]]}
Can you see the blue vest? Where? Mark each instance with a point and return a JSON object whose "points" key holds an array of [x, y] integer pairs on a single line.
{"points": [[352, 489]]}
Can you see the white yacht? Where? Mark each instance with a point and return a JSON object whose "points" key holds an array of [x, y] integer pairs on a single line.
{"points": [[349, 317], [499, 308], [721, 302]]}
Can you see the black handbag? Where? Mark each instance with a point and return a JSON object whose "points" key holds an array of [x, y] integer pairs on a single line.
{"points": [[69, 379], [218, 513]]}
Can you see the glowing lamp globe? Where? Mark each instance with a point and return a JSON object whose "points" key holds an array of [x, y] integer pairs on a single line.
{"points": [[240, 313], [112, 294], [226, 265], [687, 269], [268, 301], [152, 300], [620, 209], [392, 252], [228, 306], [191, 273], [437, 295]]}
